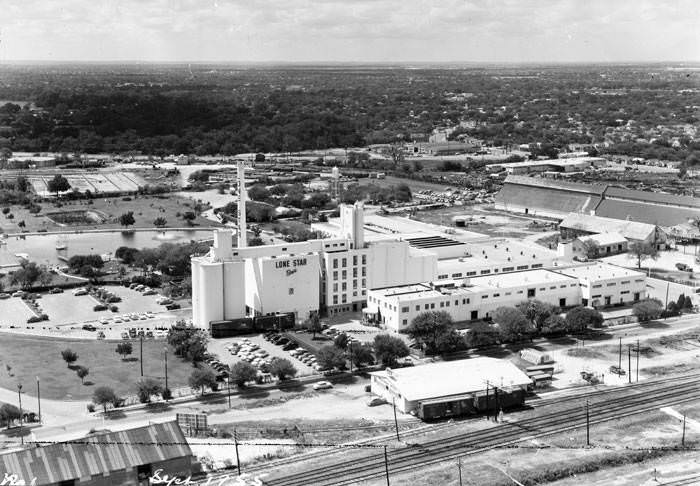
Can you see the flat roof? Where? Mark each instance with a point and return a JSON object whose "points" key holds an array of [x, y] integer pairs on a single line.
{"points": [[604, 238], [450, 378], [598, 271]]}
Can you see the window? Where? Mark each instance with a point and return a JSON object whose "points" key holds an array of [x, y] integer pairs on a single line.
{"points": [[572, 285], [484, 296], [354, 272], [345, 299], [427, 307], [345, 262], [335, 263], [335, 287], [354, 284], [484, 272], [522, 267], [364, 282], [595, 296], [442, 304], [447, 304], [542, 289], [456, 275], [291, 291], [345, 286], [335, 275], [537, 265], [405, 322], [562, 286], [345, 274], [496, 295], [597, 286], [364, 272], [364, 259], [520, 291], [456, 302], [625, 292], [625, 282], [432, 306], [531, 292], [552, 287], [508, 269], [442, 277], [417, 308], [509, 293], [335, 300], [404, 309], [354, 259], [469, 274], [612, 284]]}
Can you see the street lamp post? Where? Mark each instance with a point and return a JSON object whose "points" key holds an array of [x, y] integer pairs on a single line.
{"points": [[165, 352], [38, 396], [19, 394], [228, 385]]}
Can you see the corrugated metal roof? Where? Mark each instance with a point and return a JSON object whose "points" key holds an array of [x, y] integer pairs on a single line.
{"points": [[554, 184], [668, 199], [98, 454], [596, 224], [658, 214]]}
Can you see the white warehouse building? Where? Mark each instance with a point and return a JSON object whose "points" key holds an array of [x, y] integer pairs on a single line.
{"points": [[476, 298]]}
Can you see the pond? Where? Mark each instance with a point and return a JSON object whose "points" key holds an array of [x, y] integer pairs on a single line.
{"points": [[42, 248]]}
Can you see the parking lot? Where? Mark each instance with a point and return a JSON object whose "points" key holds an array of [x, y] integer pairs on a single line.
{"points": [[14, 312], [66, 308], [218, 347]]}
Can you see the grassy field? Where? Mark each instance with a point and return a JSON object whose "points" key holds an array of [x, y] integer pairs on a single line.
{"points": [[23, 358], [145, 208]]}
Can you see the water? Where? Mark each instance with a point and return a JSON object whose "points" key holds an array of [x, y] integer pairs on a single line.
{"points": [[42, 248]]}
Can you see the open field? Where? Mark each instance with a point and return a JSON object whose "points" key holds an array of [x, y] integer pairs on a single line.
{"points": [[23, 358], [145, 208]]}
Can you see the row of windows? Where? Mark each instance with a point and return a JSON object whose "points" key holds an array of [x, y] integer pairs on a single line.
{"points": [[344, 285], [344, 273], [344, 297], [486, 272], [344, 261]]}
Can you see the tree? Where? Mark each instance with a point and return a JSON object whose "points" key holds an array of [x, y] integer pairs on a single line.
{"points": [[389, 348], [341, 341], [146, 388], [28, 274], [481, 334], [69, 356], [258, 192], [590, 248], [554, 325], [201, 378], [82, 372], [189, 217], [160, 222], [330, 357], [104, 395], [58, 184], [127, 219], [282, 368], [428, 328], [242, 372], [124, 349], [313, 324], [513, 326], [188, 341], [648, 309], [581, 318], [537, 311], [641, 251], [360, 354], [396, 153], [9, 413]]}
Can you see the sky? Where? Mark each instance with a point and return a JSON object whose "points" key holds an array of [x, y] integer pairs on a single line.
{"points": [[350, 30]]}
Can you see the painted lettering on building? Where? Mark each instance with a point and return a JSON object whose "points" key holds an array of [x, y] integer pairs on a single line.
{"points": [[297, 262]]}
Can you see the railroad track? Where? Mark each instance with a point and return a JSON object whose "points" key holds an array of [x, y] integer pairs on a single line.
{"points": [[634, 400]]}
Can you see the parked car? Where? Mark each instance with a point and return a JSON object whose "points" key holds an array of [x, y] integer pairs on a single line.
{"points": [[89, 327], [80, 291], [683, 267], [376, 401], [172, 306], [4, 296], [323, 385], [56, 290], [617, 370], [19, 293]]}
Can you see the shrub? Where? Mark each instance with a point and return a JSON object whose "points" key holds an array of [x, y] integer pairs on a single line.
{"points": [[90, 407], [647, 310], [99, 307]]}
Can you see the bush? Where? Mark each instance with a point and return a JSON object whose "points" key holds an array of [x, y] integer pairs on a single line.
{"points": [[114, 308], [99, 307], [34, 319], [648, 310], [90, 407]]}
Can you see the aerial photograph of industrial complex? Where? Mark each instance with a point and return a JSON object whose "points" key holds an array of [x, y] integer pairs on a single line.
{"points": [[357, 242]]}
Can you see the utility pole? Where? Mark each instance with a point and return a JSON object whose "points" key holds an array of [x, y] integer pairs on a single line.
{"points": [[141, 359], [495, 409], [668, 284], [637, 379], [619, 361], [683, 437], [19, 394], [238, 459], [165, 350], [459, 468], [487, 399], [386, 466], [38, 396], [629, 363], [396, 422], [228, 384], [588, 425]]}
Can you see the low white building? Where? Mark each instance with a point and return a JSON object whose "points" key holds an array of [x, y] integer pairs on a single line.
{"points": [[468, 299], [605, 285], [605, 244], [408, 387]]}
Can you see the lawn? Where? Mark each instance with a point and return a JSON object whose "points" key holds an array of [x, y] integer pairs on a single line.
{"points": [[145, 208], [28, 357]]}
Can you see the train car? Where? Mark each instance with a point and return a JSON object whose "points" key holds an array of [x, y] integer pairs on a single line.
{"points": [[501, 400], [547, 369], [447, 407], [230, 328]]}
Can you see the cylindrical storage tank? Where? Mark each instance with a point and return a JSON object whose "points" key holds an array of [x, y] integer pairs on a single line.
{"points": [[233, 290], [196, 303], [211, 293]]}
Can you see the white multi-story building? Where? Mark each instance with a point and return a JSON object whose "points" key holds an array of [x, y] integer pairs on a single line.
{"points": [[597, 285], [329, 275]]}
